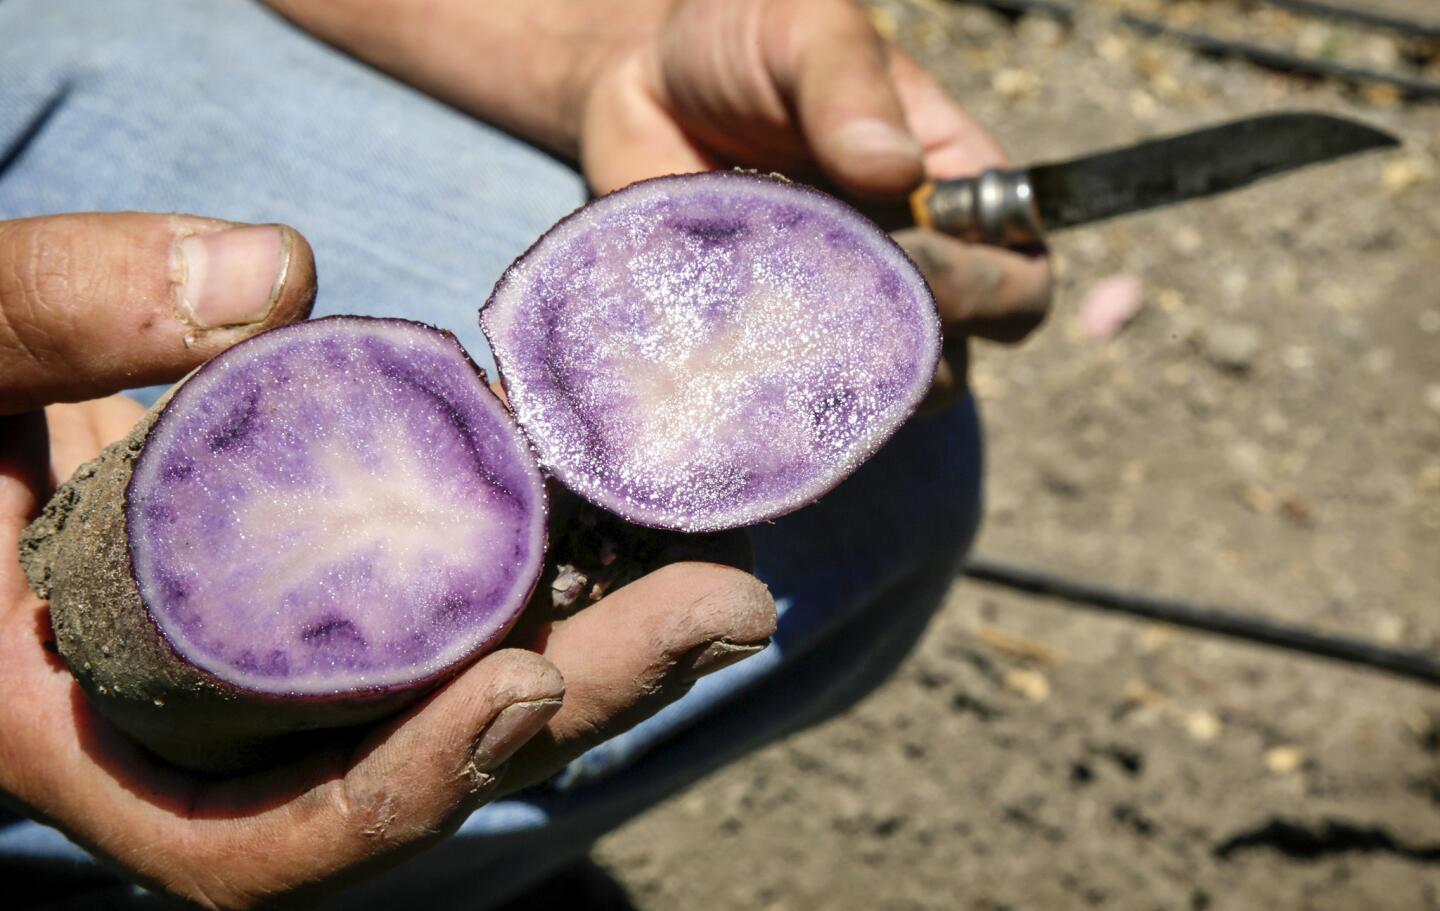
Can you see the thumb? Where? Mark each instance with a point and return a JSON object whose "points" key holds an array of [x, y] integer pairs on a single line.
{"points": [[94, 303], [834, 71], [627, 135]]}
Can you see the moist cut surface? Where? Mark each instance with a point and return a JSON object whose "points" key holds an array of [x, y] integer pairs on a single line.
{"points": [[710, 351], [335, 507]]}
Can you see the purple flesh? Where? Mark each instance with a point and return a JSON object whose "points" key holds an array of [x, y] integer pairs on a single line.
{"points": [[711, 351], [339, 506]]}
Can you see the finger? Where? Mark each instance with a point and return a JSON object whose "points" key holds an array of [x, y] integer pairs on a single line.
{"points": [[628, 136], [95, 303], [640, 649], [415, 779], [409, 783], [832, 66], [419, 775], [985, 291], [955, 144], [79, 431]]}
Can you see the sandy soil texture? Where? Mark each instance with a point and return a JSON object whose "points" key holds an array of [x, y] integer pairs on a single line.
{"points": [[1264, 434]]}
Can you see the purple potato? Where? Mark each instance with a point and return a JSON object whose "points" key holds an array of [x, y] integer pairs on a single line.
{"points": [[314, 529], [710, 351]]}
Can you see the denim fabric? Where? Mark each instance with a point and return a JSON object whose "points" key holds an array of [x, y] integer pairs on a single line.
{"points": [[222, 109]]}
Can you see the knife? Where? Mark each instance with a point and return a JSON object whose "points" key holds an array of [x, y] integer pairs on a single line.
{"points": [[1015, 208]]}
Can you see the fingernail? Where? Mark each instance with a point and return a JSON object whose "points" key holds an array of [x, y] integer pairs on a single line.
{"points": [[511, 729], [232, 277], [713, 657], [871, 138]]}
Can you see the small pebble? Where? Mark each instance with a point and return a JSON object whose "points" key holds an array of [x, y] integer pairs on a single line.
{"points": [[1014, 84], [1284, 760], [1202, 726], [1033, 685], [1402, 175], [1232, 346], [1390, 629]]}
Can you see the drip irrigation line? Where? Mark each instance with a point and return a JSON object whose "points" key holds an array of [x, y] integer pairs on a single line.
{"points": [[1320, 9], [1415, 665], [1409, 86], [1061, 12], [1366, 17]]}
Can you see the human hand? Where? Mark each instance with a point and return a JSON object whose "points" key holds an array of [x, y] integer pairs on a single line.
{"points": [[94, 303], [808, 88]]}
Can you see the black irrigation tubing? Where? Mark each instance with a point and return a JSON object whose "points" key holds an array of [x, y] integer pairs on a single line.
{"points": [[1365, 17], [1404, 663], [1065, 12], [1409, 86], [1412, 87], [1061, 12]]}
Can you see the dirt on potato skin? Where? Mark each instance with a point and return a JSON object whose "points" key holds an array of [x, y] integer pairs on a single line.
{"points": [[592, 552], [76, 555], [1296, 475]]}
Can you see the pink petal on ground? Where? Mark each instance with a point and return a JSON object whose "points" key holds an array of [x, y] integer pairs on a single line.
{"points": [[1108, 306]]}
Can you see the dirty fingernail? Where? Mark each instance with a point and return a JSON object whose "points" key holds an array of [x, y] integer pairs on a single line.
{"points": [[713, 657], [511, 729], [870, 138], [232, 277]]}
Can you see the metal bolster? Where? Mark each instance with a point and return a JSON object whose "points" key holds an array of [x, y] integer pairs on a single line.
{"points": [[1007, 214], [998, 207]]}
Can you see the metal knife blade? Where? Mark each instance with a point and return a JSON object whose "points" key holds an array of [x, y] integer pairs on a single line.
{"points": [[1016, 207]]}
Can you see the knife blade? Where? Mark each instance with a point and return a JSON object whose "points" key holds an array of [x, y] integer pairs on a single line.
{"points": [[1016, 207]]}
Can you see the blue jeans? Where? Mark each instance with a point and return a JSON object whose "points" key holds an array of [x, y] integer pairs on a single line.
{"points": [[222, 109]]}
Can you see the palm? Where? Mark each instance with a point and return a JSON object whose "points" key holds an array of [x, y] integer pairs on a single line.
{"points": [[358, 800]]}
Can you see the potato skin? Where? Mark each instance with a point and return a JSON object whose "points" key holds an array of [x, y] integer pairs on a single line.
{"points": [[77, 556]]}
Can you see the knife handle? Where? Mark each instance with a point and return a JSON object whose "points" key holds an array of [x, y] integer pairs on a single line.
{"points": [[998, 207]]}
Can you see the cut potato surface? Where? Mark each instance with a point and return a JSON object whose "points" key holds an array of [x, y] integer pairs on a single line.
{"points": [[337, 506], [710, 351]]}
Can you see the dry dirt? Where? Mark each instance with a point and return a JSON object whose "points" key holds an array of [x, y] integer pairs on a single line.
{"points": [[1265, 434]]}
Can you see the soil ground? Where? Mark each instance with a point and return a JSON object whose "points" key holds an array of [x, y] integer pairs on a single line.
{"points": [[1265, 434]]}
